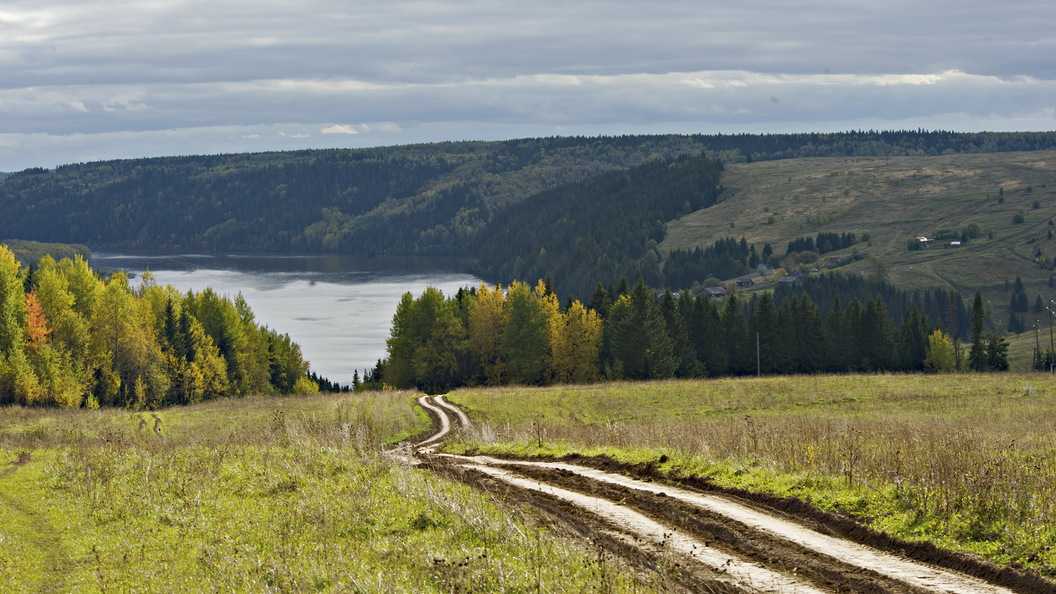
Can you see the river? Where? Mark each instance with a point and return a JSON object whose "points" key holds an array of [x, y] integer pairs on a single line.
{"points": [[338, 308]]}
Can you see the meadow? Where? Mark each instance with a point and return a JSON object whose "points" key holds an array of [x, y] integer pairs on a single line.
{"points": [[965, 461], [259, 495]]}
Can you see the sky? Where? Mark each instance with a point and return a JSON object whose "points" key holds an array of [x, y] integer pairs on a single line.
{"points": [[86, 80]]}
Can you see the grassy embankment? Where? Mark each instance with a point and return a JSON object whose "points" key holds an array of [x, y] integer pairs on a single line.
{"points": [[966, 461], [895, 200], [257, 495]]}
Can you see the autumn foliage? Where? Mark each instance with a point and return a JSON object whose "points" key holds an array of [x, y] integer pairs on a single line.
{"points": [[71, 338]]}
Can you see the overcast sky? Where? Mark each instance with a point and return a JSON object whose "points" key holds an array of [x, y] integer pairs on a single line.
{"points": [[83, 80]]}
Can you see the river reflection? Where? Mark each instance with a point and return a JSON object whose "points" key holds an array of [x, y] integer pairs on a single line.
{"points": [[338, 308]]}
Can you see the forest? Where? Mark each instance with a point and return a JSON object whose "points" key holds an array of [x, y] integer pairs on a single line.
{"points": [[523, 335], [454, 198], [70, 338]]}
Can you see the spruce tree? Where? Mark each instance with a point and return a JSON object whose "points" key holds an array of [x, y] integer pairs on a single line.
{"points": [[977, 354]]}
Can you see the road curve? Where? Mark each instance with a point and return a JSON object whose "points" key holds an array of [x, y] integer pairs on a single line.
{"points": [[741, 546]]}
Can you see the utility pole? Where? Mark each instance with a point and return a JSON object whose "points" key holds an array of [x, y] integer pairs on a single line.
{"points": [[758, 359], [1052, 349], [1051, 355]]}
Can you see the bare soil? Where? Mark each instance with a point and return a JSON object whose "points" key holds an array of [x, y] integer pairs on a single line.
{"points": [[705, 538]]}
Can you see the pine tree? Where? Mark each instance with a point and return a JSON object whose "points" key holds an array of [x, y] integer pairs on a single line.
{"points": [[641, 346], [735, 333], [765, 330], [977, 360], [682, 348]]}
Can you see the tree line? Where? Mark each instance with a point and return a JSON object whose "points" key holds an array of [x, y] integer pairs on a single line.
{"points": [[70, 338], [522, 335], [455, 198], [604, 227]]}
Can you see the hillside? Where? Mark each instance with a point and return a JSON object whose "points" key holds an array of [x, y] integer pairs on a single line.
{"points": [[581, 209], [892, 201]]}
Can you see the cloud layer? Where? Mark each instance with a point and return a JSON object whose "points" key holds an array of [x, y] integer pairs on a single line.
{"points": [[97, 79]]}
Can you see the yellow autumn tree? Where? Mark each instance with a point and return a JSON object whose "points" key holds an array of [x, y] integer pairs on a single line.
{"points": [[583, 329], [557, 351], [487, 319]]}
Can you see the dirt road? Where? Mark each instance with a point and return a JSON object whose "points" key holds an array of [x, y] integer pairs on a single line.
{"points": [[715, 541]]}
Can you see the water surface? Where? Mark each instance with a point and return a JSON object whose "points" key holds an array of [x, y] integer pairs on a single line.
{"points": [[338, 308]]}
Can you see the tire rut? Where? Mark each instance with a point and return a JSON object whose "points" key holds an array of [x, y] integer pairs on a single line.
{"points": [[719, 541]]}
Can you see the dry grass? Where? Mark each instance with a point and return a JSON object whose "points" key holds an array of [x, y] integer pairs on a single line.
{"points": [[968, 461], [259, 495]]}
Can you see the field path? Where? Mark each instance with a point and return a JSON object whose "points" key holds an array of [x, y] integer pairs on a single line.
{"points": [[38, 538], [717, 541]]}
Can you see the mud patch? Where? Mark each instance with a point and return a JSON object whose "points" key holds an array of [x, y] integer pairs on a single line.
{"points": [[23, 459]]}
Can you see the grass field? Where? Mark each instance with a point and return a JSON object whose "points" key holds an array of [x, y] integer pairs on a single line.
{"points": [[966, 461], [895, 200], [259, 495]]}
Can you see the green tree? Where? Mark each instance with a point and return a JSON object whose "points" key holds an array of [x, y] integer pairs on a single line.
{"points": [[682, 349], [941, 356], [735, 331], [523, 342], [806, 338], [996, 353], [913, 341], [977, 360], [641, 346], [437, 365], [405, 336], [765, 330], [877, 333]]}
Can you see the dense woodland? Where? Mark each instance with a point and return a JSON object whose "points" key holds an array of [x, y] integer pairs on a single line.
{"points": [[458, 198], [603, 227], [69, 338], [521, 335]]}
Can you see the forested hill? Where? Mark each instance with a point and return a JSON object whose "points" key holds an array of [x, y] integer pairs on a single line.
{"points": [[458, 198], [424, 199], [598, 229]]}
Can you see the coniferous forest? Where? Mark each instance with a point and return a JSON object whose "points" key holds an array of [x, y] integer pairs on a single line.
{"points": [[523, 335], [70, 338], [497, 204]]}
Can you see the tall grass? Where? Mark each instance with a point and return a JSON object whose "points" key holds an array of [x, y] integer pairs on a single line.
{"points": [[259, 495], [967, 461]]}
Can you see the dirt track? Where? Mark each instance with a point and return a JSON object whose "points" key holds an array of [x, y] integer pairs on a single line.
{"points": [[715, 541]]}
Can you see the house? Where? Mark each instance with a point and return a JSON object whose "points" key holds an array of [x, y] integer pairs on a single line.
{"points": [[834, 259], [676, 296], [795, 277], [745, 282], [714, 292]]}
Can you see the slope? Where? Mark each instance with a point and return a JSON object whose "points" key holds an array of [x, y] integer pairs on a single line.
{"points": [[1007, 200]]}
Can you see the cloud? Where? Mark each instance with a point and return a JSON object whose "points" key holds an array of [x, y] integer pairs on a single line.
{"points": [[340, 129], [123, 75], [360, 128]]}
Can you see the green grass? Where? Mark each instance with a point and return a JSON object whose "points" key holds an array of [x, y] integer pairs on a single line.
{"points": [[260, 495], [896, 200], [967, 461]]}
